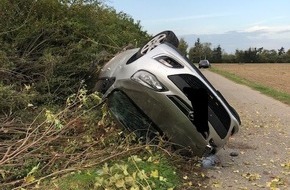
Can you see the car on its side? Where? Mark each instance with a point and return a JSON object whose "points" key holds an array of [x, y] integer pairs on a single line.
{"points": [[154, 90], [204, 64]]}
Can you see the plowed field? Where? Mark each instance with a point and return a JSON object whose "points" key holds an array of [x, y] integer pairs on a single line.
{"points": [[276, 76]]}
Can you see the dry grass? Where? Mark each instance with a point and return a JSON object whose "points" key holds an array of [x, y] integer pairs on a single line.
{"points": [[276, 76]]}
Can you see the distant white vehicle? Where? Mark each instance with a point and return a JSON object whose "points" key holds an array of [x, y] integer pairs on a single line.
{"points": [[155, 90]]}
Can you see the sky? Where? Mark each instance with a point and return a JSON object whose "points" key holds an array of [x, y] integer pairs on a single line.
{"points": [[232, 24]]}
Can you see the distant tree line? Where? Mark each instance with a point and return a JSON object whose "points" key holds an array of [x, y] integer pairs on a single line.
{"points": [[217, 55]]}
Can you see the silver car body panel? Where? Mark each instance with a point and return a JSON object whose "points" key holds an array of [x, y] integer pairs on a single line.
{"points": [[157, 105]]}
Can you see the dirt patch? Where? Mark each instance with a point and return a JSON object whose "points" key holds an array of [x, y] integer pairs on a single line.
{"points": [[275, 76]]}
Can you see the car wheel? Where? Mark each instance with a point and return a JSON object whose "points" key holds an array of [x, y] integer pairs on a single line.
{"points": [[162, 37]]}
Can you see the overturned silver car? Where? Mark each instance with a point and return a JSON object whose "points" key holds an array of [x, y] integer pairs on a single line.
{"points": [[155, 90]]}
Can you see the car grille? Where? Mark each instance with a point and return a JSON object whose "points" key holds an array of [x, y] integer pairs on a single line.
{"points": [[183, 106], [217, 114]]}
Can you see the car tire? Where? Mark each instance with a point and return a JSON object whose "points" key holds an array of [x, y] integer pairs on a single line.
{"points": [[162, 37]]}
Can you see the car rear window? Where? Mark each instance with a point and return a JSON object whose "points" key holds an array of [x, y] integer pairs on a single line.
{"points": [[131, 116]]}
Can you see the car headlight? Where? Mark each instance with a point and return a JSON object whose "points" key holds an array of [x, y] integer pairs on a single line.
{"points": [[149, 80]]}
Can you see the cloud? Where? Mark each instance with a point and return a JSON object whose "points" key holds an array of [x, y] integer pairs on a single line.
{"points": [[268, 29], [284, 31], [257, 29]]}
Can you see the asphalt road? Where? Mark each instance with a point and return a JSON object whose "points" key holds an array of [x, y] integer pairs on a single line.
{"points": [[262, 144]]}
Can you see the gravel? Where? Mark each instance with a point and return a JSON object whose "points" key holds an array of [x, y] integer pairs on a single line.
{"points": [[258, 156]]}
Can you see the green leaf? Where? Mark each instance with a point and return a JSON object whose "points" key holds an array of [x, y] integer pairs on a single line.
{"points": [[29, 179], [154, 174], [33, 170], [120, 183]]}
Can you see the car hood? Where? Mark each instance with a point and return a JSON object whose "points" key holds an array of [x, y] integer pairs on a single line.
{"points": [[117, 63]]}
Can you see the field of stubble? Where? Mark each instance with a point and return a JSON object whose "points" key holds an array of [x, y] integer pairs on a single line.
{"points": [[276, 76]]}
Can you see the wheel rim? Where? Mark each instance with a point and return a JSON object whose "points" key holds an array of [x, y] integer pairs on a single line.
{"points": [[153, 43]]}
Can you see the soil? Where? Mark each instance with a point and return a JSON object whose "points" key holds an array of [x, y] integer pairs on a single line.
{"points": [[258, 157]]}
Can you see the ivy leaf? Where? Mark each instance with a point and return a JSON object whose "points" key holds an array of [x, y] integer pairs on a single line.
{"points": [[98, 184], [29, 179], [148, 149], [120, 183], [124, 168], [105, 168], [161, 178], [2, 172], [149, 159], [129, 180], [135, 158], [134, 188], [33, 170], [117, 177], [154, 174]]}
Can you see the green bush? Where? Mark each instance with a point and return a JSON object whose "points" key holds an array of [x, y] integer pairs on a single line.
{"points": [[56, 44], [12, 100]]}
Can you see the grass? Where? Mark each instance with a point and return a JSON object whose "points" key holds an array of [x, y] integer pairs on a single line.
{"points": [[145, 171], [271, 92]]}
